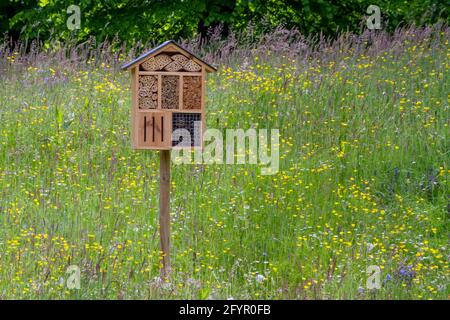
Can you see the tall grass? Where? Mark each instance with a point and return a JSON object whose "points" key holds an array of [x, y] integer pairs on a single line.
{"points": [[364, 173]]}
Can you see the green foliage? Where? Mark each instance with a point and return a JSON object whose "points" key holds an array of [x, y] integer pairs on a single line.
{"points": [[157, 20]]}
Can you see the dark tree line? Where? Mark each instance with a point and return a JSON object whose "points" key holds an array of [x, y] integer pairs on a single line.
{"points": [[156, 20]]}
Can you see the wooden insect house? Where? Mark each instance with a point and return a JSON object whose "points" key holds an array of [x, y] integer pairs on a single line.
{"points": [[168, 93]]}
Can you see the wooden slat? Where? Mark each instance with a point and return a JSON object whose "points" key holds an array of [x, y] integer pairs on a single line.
{"points": [[202, 105], [171, 110], [203, 80], [167, 73], [134, 106], [167, 129], [180, 93], [159, 91], [153, 148], [142, 127]]}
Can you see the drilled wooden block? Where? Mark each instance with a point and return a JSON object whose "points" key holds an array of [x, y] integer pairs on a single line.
{"points": [[173, 66], [181, 59], [192, 92], [156, 63], [191, 66], [170, 92]]}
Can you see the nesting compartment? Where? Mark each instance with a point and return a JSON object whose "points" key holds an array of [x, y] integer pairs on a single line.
{"points": [[192, 133], [170, 92], [170, 62], [148, 92], [192, 92]]}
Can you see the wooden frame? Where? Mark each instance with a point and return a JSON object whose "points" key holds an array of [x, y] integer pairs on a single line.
{"points": [[142, 120]]}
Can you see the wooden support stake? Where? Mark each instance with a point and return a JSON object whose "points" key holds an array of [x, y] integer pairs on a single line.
{"points": [[164, 214]]}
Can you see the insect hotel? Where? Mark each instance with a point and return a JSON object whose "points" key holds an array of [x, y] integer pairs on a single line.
{"points": [[168, 93], [167, 111]]}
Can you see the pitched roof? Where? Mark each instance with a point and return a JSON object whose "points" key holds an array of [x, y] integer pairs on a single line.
{"points": [[155, 50]]}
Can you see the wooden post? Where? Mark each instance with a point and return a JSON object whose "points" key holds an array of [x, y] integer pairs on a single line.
{"points": [[164, 214]]}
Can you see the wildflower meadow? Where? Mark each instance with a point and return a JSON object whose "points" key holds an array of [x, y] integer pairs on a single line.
{"points": [[359, 208]]}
